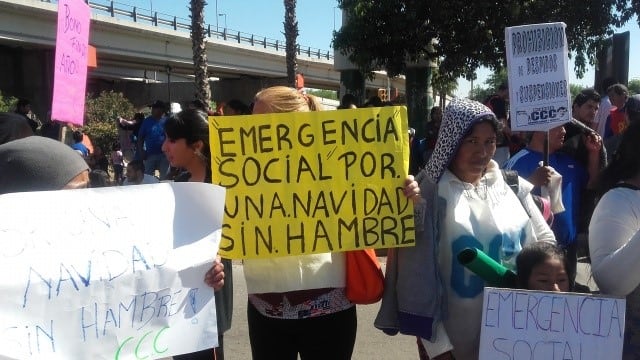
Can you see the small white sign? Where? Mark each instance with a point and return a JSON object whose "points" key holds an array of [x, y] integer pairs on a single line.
{"points": [[538, 70], [108, 273], [537, 325]]}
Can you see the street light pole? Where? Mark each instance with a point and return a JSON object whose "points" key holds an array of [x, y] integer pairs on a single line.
{"points": [[225, 21], [151, 4], [334, 18], [217, 27]]}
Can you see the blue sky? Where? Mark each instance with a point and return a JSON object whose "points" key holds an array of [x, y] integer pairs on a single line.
{"points": [[316, 21]]}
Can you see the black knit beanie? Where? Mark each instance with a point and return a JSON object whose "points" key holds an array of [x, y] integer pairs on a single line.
{"points": [[37, 163]]}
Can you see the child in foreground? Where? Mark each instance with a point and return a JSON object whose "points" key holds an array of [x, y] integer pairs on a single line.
{"points": [[543, 266], [540, 266]]}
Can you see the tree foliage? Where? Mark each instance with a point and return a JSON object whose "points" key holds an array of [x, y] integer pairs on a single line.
{"points": [[494, 80], [443, 86], [465, 35], [327, 94], [479, 93], [7, 103], [101, 114], [634, 86], [628, 10], [575, 89]]}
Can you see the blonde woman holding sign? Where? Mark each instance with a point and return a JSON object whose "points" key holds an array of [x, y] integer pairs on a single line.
{"points": [[297, 304]]}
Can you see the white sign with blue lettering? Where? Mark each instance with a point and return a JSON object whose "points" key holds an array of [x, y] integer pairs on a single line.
{"points": [[523, 324], [109, 273], [538, 70]]}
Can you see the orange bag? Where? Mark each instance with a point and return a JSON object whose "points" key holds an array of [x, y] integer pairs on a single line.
{"points": [[365, 281]]}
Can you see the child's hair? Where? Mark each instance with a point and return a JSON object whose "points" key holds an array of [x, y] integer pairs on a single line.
{"points": [[535, 254], [77, 136]]}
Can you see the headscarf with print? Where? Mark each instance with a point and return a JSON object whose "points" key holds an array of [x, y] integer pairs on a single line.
{"points": [[459, 116]]}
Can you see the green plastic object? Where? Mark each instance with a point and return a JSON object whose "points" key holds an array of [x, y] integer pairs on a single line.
{"points": [[493, 273]]}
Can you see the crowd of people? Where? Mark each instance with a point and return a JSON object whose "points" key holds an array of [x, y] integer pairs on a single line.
{"points": [[462, 199]]}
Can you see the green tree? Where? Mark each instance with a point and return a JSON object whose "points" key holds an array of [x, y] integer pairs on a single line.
{"points": [[327, 94], [7, 103], [496, 79], [479, 93], [443, 86], [101, 114], [493, 82], [199, 47], [634, 86], [628, 10], [574, 89], [464, 35], [291, 39]]}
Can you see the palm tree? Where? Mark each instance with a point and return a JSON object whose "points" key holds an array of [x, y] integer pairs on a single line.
{"points": [[199, 47], [291, 36], [443, 85]]}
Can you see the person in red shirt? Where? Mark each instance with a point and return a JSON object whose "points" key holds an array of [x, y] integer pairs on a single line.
{"points": [[618, 95]]}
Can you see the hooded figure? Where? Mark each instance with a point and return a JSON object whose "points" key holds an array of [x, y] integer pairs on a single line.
{"points": [[36, 163], [468, 204], [13, 126]]}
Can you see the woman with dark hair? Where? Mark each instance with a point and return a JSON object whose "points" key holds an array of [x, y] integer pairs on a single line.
{"points": [[12, 127], [614, 234], [348, 101], [186, 146], [236, 107], [466, 204]]}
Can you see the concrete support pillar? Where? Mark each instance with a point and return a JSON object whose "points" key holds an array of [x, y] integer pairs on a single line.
{"points": [[351, 78], [352, 82]]}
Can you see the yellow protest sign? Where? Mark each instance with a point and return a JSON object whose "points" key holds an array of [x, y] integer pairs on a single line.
{"points": [[313, 182]]}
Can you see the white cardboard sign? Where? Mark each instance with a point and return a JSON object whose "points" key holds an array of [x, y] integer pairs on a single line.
{"points": [[538, 70], [537, 325], [110, 273]]}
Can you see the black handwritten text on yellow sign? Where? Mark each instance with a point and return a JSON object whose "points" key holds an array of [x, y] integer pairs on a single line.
{"points": [[314, 182]]}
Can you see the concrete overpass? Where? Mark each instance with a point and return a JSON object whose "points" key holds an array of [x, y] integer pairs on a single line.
{"points": [[132, 46]]}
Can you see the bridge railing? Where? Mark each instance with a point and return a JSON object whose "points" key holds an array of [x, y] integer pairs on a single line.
{"points": [[132, 13]]}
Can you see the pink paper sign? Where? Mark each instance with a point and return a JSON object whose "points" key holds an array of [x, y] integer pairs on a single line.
{"points": [[70, 74]]}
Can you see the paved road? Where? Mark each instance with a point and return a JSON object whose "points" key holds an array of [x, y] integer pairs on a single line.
{"points": [[371, 343]]}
